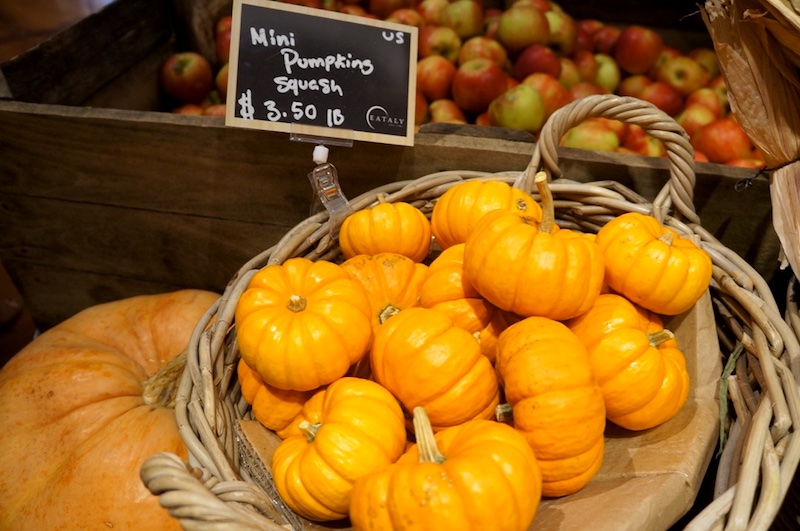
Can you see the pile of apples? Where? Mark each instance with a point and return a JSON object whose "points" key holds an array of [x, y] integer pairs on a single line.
{"points": [[193, 84], [513, 66]]}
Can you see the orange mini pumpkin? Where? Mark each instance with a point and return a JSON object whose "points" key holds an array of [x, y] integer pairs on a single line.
{"points": [[424, 359], [637, 364], [532, 269], [392, 282], [652, 265], [462, 205], [350, 429], [477, 475], [556, 402], [302, 324], [445, 289], [387, 227], [274, 408]]}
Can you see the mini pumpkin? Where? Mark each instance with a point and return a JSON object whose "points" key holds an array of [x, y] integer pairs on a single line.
{"points": [[529, 268], [653, 265], [637, 363], [274, 408], [462, 205], [445, 289], [350, 429], [302, 324], [478, 475], [387, 227], [424, 359], [392, 282], [556, 402]]}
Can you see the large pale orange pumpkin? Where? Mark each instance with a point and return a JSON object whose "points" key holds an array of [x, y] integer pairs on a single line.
{"points": [[78, 415]]}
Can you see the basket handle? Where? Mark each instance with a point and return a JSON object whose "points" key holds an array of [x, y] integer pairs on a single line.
{"points": [[679, 189]]}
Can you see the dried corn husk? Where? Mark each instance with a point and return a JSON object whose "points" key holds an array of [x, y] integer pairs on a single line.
{"points": [[758, 45]]}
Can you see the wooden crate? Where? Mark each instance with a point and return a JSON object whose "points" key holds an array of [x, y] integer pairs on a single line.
{"points": [[102, 197]]}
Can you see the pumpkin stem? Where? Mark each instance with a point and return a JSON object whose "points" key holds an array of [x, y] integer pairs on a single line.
{"points": [[656, 338], [309, 430], [161, 388], [668, 237], [387, 312], [297, 303], [426, 442], [504, 413], [548, 208]]}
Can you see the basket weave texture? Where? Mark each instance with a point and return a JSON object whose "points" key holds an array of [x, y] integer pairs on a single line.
{"points": [[760, 449]]}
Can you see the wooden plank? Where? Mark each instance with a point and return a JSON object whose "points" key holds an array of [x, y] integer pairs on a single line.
{"points": [[76, 63]]}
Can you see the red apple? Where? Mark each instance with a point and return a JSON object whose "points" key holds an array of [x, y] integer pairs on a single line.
{"points": [[707, 97], [421, 113], [699, 156], [520, 26], [384, 8], [584, 40], [667, 52], [662, 96], [608, 73], [633, 85], [483, 118], [186, 76], [465, 17], [639, 141], [536, 58], [189, 108], [554, 94], [569, 72], [591, 135], [563, 32], [722, 140], [407, 16], [435, 77], [619, 127], [353, 9], [586, 63], [746, 162], [637, 49], [438, 40], [519, 108], [491, 19], [446, 111], [485, 47], [583, 89], [432, 11], [708, 58], [683, 73], [221, 82], [222, 39], [218, 109], [605, 39], [476, 83]]}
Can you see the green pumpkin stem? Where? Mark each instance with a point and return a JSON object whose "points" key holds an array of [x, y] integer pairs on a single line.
{"points": [[504, 413], [656, 338], [426, 442], [297, 303], [548, 208], [387, 312], [309, 430]]}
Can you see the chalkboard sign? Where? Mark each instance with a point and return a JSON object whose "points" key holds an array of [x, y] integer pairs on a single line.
{"points": [[315, 72]]}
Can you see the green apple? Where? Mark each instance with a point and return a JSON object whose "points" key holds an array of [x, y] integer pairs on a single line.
{"points": [[520, 108]]}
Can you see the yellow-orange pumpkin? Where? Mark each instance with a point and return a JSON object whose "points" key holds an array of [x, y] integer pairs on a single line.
{"points": [[478, 475], [387, 228], [636, 362], [557, 404], [424, 359], [462, 205], [79, 414]]}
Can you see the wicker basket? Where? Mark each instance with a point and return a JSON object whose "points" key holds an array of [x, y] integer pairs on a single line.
{"points": [[761, 448]]}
